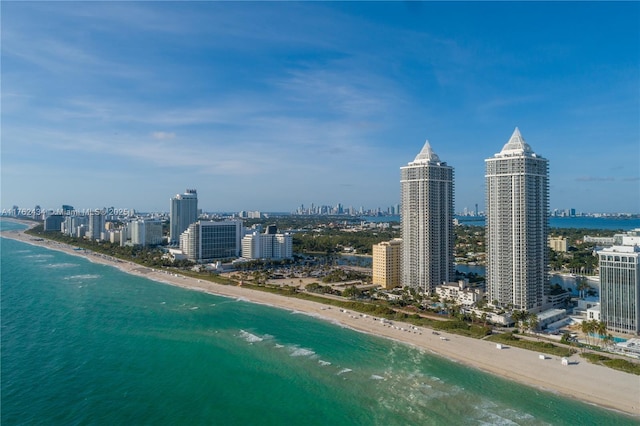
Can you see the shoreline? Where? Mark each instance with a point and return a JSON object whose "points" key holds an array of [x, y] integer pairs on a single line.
{"points": [[580, 380]]}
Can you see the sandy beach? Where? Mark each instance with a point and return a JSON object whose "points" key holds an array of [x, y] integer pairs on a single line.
{"points": [[581, 380]]}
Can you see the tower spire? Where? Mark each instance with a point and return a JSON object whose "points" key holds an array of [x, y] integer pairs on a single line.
{"points": [[516, 144], [427, 155]]}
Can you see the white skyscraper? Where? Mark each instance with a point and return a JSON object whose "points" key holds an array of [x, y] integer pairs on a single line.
{"points": [[267, 246], [427, 221], [517, 205], [145, 232], [183, 212]]}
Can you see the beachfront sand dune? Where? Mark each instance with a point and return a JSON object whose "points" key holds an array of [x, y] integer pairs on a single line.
{"points": [[579, 379]]}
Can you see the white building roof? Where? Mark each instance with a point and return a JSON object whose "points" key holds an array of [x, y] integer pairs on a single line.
{"points": [[550, 313], [516, 146], [620, 249], [516, 143], [426, 155]]}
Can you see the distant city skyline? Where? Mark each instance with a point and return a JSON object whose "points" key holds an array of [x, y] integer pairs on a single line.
{"points": [[266, 106]]}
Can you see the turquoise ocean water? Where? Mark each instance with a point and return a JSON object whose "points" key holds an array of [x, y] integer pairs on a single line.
{"points": [[87, 344]]}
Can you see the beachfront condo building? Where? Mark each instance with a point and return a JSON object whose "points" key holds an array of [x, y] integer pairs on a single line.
{"points": [[426, 216], [72, 223], [517, 205], [96, 225], [53, 222], [207, 240], [145, 232], [387, 257], [267, 246], [620, 286], [183, 211]]}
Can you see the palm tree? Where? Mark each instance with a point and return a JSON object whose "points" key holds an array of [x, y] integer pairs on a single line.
{"points": [[452, 309], [590, 327], [456, 312], [581, 286], [601, 329], [585, 327], [520, 318], [608, 340], [515, 316], [594, 327], [445, 306], [412, 292], [533, 322]]}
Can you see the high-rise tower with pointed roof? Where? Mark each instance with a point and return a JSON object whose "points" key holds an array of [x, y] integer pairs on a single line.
{"points": [[427, 221], [517, 205]]}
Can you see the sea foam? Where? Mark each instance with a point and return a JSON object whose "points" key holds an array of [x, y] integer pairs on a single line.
{"points": [[82, 277], [62, 265], [251, 338], [302, 352]]}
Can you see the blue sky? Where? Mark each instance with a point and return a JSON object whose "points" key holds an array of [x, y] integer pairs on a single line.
{"points": [[269, 105]]}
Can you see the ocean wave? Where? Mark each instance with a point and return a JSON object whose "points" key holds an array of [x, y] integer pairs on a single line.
{"points": [[82, 277], [338, 323], [309, 314], [489, 418], [323, 363], [302, 352], [518, 415], [39, 256], [251, 338], [376, 377], [62, 265], [343, 371]]}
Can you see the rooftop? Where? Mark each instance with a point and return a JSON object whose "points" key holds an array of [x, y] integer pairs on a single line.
{"points": [[426, 156], [516, 146]]}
